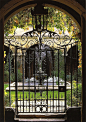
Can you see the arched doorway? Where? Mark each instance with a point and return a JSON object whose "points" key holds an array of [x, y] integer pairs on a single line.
{"points": [[45, 94]]}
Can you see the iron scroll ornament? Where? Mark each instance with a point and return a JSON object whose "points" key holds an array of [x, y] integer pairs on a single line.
{"points": [[47, 37], [52, 39]]}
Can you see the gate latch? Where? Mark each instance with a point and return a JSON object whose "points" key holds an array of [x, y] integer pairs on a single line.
{"points": [[62, 89]]}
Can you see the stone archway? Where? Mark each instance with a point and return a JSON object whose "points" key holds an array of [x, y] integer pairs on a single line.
{"points": [[76, 8], [75, 5], [13, 4]]}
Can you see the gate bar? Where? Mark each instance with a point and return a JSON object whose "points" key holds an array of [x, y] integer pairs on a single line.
{"points": [[65, 73], [77, 70], [47, 79], [71, 73], [16, 79], [34, 82], [58, 80], [23, 76], [53, 78], [29, 79], [9, 78]]}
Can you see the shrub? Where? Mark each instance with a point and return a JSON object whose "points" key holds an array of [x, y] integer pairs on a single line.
{"points": [[61, 65], [79, 75], [6, 99], [6, 76], [12, 76], [19, 76], [76, 98]]}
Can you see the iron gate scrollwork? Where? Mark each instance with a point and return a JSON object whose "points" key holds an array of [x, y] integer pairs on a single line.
{"points": [[44, 54]]}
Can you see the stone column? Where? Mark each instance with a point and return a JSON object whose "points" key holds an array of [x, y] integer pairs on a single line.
{"points": [[2, 116], [83, 39]]}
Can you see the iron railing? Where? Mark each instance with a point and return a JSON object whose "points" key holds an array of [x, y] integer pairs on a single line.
{"points": [[46, 89]]}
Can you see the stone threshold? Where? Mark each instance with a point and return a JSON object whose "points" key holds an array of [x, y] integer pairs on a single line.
{"points": [[41, 115], [40, 120]]}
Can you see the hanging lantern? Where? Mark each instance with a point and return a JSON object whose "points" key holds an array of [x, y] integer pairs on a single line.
{"points": [[39, 18]]}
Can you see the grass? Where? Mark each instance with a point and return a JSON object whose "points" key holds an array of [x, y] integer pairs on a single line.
{"points": [[50, 95], [45, 94], [37, 95], [5, 86]]}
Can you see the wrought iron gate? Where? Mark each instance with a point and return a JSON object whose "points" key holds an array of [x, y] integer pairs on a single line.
{"points": [[44, 71]]}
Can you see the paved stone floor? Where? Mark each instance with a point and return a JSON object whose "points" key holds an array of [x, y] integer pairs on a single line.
{"points": [[20, 88]]}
